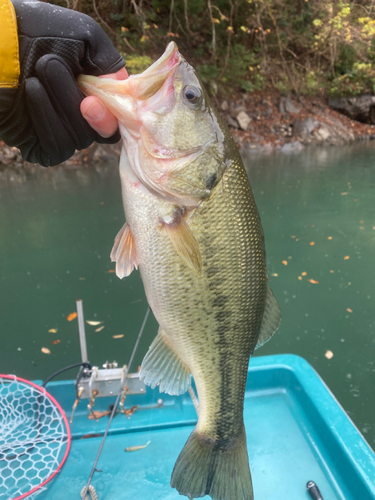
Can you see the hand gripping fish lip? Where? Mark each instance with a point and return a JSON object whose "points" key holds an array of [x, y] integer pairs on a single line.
{"points": [[123, 97]]}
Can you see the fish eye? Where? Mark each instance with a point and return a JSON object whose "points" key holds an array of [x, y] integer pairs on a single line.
{"points": [[192, 94]]}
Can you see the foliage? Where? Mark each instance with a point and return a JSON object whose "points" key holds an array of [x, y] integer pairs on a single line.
{"points": [[303, 45], [136, 64], [360, 80]]}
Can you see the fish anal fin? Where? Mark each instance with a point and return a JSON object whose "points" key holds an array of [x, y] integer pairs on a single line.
{"points": [[206, 468], [161, 366], [183, 240], [271, 319], [124, 253]]}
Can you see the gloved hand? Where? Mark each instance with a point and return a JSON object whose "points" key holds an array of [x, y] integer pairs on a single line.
{"points": [[42, 116]]}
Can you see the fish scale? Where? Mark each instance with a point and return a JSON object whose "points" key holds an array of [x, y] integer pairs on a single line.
{"points": [[193, 229]]}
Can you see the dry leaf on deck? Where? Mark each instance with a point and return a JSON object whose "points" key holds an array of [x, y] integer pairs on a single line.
{"points": [[45, 350], [329, 355], [71, 316], [99, 329], [52, 330], [93, 323], [56, 341], [117, 336], [314, 282]]}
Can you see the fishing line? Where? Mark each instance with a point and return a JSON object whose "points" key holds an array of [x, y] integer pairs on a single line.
{"points": [[85, 491]]}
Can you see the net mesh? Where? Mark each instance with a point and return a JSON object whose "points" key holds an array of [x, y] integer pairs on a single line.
{"points": [[34, 438]]}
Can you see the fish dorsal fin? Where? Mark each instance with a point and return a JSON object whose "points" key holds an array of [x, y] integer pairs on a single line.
{"points": [[271, 319], [161, 366], [183, 240], [123, 252]]}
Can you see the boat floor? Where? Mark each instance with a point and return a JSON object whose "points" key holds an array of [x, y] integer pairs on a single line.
{"points": [[296, 432]]}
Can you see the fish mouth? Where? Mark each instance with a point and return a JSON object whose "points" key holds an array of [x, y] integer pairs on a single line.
{"points": [[122, 97]]}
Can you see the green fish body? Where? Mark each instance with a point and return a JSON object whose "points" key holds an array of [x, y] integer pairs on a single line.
{"points": [[193, 229]]}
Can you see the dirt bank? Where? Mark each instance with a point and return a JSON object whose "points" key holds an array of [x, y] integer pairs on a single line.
{"points": [[263, 122]]}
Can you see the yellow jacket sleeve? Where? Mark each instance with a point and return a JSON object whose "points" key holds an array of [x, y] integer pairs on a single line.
{"points": [[9, 55]]}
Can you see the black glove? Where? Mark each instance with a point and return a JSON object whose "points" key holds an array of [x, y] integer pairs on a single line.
{"points": [[42, 116]]}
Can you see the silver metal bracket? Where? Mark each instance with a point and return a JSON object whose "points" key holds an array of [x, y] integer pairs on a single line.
{"points": [[109, 382]]}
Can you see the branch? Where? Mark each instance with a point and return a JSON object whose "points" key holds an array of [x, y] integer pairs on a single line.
{"points": [[213, 58]]}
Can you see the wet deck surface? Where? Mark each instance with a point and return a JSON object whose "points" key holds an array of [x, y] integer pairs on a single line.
{"points": [[288, 418]]}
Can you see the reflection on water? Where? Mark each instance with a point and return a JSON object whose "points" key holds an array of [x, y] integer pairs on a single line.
{"points": [[317, 208]]}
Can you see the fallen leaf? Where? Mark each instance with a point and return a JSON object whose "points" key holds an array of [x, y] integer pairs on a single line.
{"points": [[111, 270], [312, 243], [52, 330], [331, 271], [56, 341], [89, 436], [304, 273], [299, 277], [329, 237], [293, 236], [71, 316], [82, 278], [349, 310], [93, 323], [313, 225], [346, 257], [274, 274], [329, 355], [117, 336], [343, 194], [285, 262], [314, 282], [95, 415], [355, 199], [100, 328], [361, 227], [45, 350], [361, 222], [130, 411]]}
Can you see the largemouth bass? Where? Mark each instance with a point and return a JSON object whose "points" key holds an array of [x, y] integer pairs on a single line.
{"points": [[193, 229]]}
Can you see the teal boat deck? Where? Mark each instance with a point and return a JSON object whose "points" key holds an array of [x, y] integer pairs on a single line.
{"points": [[296, 432]]}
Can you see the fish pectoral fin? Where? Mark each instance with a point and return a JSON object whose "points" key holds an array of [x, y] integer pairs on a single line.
{"points": [[271, 319], [161, 366], [183, 240], [124, 253]]}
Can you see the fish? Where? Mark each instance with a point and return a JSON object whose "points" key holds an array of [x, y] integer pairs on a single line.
{"points": [[193, 230]]}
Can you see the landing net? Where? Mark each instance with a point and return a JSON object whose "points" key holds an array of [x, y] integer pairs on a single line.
{"points": [[34, 438]]}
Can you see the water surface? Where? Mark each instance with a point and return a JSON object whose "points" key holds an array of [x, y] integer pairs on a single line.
{"points": [[317, 208]]}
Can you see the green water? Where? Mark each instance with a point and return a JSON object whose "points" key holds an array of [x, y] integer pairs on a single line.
{"points": [[56, 232]]}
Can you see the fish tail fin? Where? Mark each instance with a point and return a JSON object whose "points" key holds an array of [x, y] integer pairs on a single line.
{"points": [[221, 471]]}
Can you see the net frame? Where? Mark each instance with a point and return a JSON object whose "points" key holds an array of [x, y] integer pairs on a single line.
{"points": [[41, 392]]}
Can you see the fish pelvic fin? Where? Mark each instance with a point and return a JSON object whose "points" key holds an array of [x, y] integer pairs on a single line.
{"points": [[271, 319], [183, 240], [205, 468], [161, 366], [124, 253]]}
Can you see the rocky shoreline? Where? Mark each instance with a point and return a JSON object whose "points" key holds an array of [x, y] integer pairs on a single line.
{"points": [[263, 122]]}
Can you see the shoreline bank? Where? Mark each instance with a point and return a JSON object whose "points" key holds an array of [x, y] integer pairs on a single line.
{"points": [[262, 122]]}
